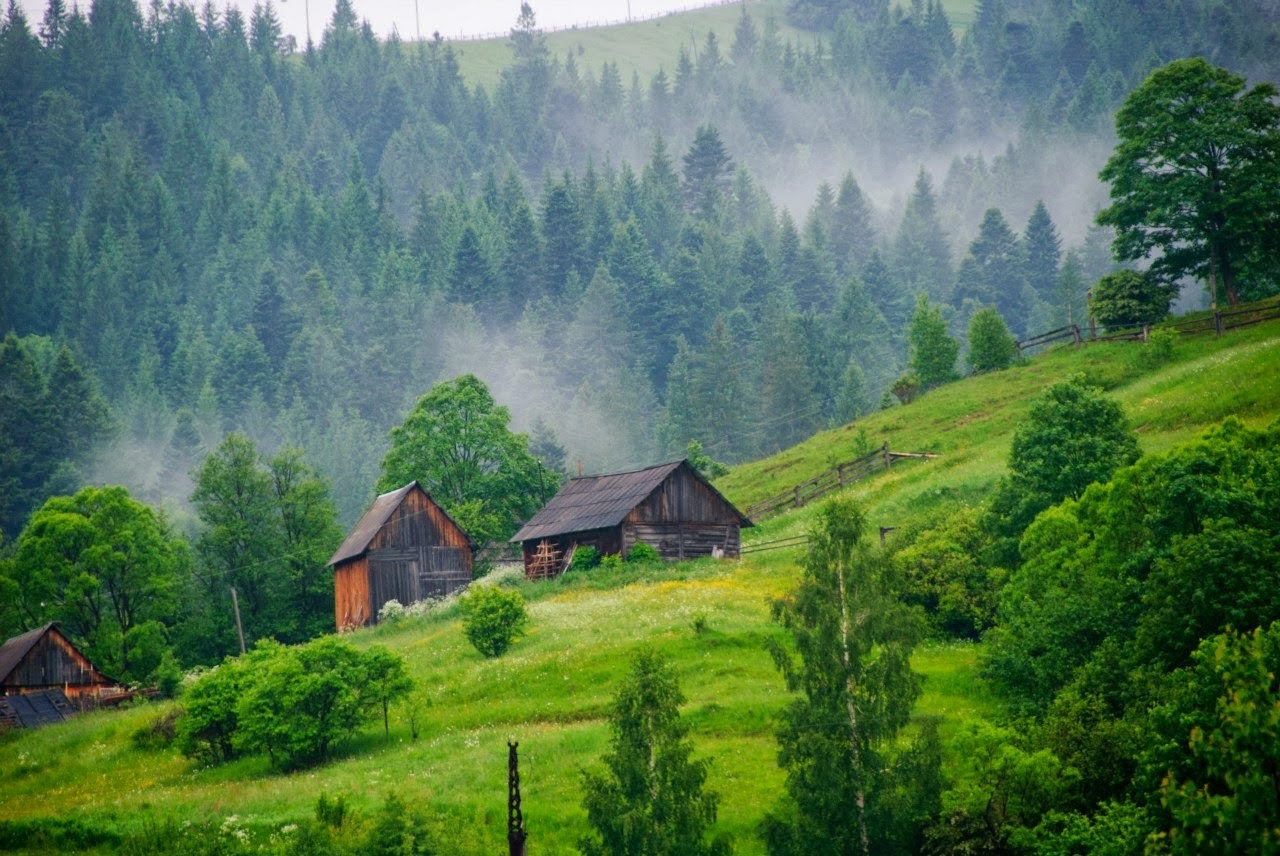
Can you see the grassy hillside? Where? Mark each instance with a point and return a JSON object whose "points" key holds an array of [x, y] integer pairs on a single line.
{"points": [[551, 690], [646, 46]]}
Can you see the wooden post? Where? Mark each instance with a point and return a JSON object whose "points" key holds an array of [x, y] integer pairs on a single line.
{"points": [[1217, 322], [1093, 325], [515, 817], [235, 604], [1146, 333], [888, 459], [1075, 331]]}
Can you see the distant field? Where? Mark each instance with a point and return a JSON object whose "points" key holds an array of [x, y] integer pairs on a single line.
{"points": [[645, 46]]}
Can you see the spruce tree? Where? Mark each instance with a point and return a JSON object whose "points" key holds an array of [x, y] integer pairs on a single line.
{"points": [[933, 352]]}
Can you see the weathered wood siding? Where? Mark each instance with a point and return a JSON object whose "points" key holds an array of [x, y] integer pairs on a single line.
{"points": [[681, 498], [53, 662], [351, 593], [605, 540], [683, 519], [676, 541], [416, 554]]}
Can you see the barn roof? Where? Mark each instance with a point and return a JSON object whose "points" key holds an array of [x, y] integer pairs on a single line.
{"points": [[601, 502], [375, 518], [32, 710], [14, 650]]}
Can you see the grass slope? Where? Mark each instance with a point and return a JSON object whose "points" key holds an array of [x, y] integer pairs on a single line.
{"points": [[551, 691], [643, 47]]}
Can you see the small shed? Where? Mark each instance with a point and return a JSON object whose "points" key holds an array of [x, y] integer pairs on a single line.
{"points": [[404, 548], [43, 660], [671, 507]]}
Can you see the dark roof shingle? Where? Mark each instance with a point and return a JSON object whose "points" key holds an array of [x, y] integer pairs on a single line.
{"points": [[12, 652], [600, 502]]}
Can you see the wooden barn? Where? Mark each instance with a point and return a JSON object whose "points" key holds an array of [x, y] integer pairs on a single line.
{"points": [[671, 507], [404, 548], [44, 677]]}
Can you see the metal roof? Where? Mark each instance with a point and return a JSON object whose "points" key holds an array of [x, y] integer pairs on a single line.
{"points": [[601, 502], [357, 540], [12, 652], [32, 710]]}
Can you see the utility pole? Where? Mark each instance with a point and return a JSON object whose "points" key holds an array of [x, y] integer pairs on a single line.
{"points": [[515, 819], [235, 603]]}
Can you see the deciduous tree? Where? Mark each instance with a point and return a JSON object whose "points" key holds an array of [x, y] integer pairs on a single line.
{"points": [[457, 444], [852, 640], [1195, 179], [650, 799]]}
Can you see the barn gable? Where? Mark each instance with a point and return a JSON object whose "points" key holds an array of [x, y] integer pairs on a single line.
{"points": [[669, 506], [406, 548], [44, 659]]}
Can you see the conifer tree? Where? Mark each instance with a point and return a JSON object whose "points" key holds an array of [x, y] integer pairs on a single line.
{"points": [[921, 254], [933, 352]]}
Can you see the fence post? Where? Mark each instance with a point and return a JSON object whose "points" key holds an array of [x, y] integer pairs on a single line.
{"points": [[1075, 332], [796, 491], [888, 460], [1217, 322], [1146, 332]]}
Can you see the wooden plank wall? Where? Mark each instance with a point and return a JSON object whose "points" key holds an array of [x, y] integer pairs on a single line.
{"points": [[351, 593], [55, 662], [675, 541], [683, 498]]}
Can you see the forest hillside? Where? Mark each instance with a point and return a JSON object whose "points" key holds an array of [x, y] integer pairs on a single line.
{"points": [[551, 692]]}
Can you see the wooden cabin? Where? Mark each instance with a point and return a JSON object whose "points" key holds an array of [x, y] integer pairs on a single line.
{"points": [[45, 662], [404, 548], [671, 507]]}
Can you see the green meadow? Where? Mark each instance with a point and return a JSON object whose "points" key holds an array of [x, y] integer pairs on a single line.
{"points": [[551, 691], [645, 46]]}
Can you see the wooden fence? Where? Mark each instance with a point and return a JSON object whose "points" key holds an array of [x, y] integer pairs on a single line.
{"points": [[1218, 322], [833, 479]]}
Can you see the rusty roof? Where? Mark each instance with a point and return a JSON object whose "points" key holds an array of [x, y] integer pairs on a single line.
{"points": [[357, 540], [601, 502]]}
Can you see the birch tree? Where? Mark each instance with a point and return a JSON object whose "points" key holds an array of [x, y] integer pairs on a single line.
{"points": [[850, 664]]}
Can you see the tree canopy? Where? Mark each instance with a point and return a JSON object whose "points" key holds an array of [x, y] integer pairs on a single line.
{"points": [[1195, 179], [456, 443]]}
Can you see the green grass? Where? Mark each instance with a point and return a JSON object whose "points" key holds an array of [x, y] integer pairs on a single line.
{"points": [[552, 689], [643, 47]]}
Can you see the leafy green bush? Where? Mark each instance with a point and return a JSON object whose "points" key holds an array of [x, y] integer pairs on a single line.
{"points": [[611, 562], [1159, 348], [644, 554], [991, 345], [585, 558], [1129, 298], [292, 704], [493, 618]]}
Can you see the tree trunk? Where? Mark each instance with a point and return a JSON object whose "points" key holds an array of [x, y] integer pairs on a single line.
{"points": [[856, 750]]}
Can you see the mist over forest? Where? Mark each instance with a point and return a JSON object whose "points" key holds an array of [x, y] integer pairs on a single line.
{"points": [[228, 235]]}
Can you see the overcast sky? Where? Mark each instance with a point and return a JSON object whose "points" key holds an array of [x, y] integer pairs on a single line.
{"points": [[452, 19]]}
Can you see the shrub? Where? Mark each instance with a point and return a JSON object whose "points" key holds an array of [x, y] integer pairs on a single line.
{"points": [[906, 388], [991, 345], [585, 558], [391, 612], [493, 618], [159, 733], [1129, 298], [611, 562], [644, 554], [1159, 348]]}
